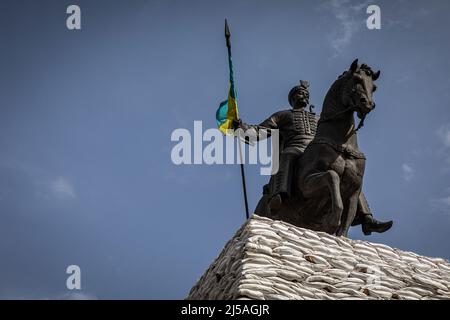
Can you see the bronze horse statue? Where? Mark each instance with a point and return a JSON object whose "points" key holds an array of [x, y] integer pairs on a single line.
{"points": [[329, 175]]}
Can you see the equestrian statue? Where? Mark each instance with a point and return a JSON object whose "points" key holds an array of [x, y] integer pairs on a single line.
{"points": [[321, 168]]}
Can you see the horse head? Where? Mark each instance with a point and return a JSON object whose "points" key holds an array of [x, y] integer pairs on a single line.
{"points": [[358, 88]]}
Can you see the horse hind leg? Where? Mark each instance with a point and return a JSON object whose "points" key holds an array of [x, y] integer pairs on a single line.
{"points": [[348, 215], [318, 181], [262, 208]]}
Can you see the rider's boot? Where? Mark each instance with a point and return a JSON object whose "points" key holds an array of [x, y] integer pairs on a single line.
{"points": [[370, 224]]}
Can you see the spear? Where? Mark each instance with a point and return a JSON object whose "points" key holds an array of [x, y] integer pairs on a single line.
{"points": [[230, 63]]}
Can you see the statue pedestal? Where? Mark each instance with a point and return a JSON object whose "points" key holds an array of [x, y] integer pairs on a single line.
{"points": [[271, 260]]}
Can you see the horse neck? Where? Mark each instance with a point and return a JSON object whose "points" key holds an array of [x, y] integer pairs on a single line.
{"points": [[340, 130]]}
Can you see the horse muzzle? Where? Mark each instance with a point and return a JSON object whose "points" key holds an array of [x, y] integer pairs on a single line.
{"points": [[364, 108]]}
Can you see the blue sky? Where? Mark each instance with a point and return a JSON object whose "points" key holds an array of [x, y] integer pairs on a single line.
{"points": [[86, 117]]}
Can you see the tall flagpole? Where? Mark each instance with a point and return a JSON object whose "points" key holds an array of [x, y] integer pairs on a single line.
{"points": [[227, 37], [243, 180]]}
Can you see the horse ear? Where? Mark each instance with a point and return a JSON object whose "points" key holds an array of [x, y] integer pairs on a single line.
{"points": [[376, 75], [354, 66]]}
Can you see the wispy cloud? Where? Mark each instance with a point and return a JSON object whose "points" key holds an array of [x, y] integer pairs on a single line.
{"points": [[443, 134], [404, 16], [442, 204], [404, 78], [350, 19], [76, 295], [57, 188], [408, 172], [71, 295], [42, 184], [62, 188]]}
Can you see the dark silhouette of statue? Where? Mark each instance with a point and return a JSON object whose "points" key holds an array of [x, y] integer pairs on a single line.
{"points": [[319, 181]]}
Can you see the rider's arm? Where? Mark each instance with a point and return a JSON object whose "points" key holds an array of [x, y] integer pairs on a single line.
{"points": [[262, 130]]}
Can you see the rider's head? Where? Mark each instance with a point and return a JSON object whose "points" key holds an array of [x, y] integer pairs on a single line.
{"points": [[299, 95]]}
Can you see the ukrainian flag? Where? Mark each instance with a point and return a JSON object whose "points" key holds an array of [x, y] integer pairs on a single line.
{"points": [[228, 110]]}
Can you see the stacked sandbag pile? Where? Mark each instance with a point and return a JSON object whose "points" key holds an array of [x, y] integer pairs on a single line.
{"points": [[268, 259]]}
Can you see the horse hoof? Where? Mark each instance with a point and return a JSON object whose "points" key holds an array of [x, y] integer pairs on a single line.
{"points": [[275, 203]]}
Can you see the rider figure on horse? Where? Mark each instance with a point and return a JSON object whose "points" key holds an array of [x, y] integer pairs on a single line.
{"points": [[297, 128]]}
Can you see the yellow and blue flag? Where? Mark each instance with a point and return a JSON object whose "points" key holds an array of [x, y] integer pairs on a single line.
{"points": [[228, 110]]}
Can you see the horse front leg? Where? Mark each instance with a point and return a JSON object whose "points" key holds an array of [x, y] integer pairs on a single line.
{"points": [[328, 179], [348, 215]]}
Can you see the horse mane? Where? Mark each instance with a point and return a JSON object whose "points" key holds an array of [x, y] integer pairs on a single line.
{"points": [[333, 99]]}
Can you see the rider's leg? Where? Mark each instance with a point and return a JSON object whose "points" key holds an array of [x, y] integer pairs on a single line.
{"points": [[282, 181], [362, 210], [366, 219]]}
